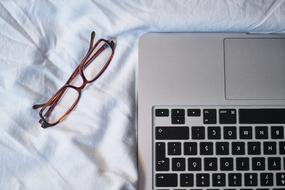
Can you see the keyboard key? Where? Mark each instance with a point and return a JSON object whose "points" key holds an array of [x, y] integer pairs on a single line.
{"points": [[230, 132], [186, 180], [178, 164], [274, 163], [171, 133], [266, 179], [258, 163], [234, 179], [226, 164], [261, 116], [210, 116], [250, 179], [214, 132], [261, 132], [190, 148], [282, 147], [222, 148], [253, 148], [162, 163], [210, 164], [202, 180], [227, 116], [280, 179], [178, 112], [242, 164], [166, 180], [219, 180], [161, 112], [194, 164], [269, 148], [177, 120], [194, 112], [174, 148], [238, 148], [245, 132], [198, 132], [160, 150], [277, 132], [206, 148]]}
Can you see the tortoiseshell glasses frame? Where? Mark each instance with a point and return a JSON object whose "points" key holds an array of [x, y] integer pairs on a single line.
{"points": [[95, 49]]}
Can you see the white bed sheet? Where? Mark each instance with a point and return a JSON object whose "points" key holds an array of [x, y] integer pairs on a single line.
{"points": [[42, 41]]}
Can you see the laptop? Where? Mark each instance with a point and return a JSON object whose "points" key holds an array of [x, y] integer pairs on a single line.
{"points": [[211, 111]]}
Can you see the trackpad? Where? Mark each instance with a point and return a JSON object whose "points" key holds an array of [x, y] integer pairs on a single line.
{"points": [[255, 69]]}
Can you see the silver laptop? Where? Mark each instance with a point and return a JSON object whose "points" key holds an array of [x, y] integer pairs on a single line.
{"points": [[211, 111]]}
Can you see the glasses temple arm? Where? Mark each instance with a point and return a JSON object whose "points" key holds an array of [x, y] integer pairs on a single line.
{"points": [[111, 44]]}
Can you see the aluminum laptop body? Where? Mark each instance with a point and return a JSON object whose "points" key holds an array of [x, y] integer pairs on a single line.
{"points": [[204, 98]]}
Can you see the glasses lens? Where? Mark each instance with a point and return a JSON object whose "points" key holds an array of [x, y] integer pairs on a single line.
{"points": [[68, 97], [94, 69]]}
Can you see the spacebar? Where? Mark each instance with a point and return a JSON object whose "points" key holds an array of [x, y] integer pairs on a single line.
{"points": [[171, 133], [261, 116]]}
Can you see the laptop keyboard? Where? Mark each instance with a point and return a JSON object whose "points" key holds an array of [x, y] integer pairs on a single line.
{"points": [[218, 148]]}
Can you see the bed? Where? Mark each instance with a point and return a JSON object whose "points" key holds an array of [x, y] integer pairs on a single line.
{"points": [[41, 43]]}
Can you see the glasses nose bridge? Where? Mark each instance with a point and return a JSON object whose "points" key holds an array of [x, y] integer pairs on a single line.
{"points": [[83, 85]]}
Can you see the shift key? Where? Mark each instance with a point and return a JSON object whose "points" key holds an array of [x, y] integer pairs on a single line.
{"points": [[172, 133]]}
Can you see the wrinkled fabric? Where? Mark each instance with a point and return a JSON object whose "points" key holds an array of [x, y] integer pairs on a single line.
{"points": [[42, 41]]}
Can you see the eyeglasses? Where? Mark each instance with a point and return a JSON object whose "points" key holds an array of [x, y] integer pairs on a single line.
{"points": [[64, 101]]}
